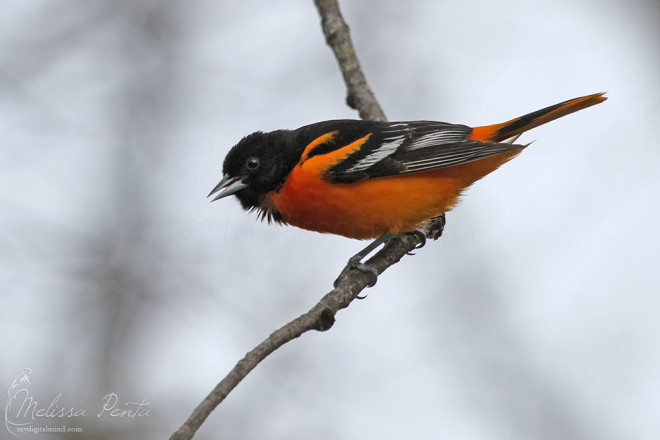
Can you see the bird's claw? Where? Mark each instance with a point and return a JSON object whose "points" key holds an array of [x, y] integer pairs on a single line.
{"points": [[355, 263], [421, 237]]}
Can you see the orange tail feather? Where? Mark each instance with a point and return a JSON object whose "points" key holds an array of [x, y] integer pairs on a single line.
{"points": [[514, 127]]}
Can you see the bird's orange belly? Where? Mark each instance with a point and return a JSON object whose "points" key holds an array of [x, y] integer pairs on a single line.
{"points": [[365, 209]]}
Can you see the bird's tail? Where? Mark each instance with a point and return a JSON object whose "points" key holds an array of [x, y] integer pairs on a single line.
{"points": [[515, 127]]}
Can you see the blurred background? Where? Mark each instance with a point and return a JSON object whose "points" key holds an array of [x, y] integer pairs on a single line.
{"points": [[537, 315]]}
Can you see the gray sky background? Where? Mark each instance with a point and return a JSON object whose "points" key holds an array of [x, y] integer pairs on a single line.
{"points": [[537, 315]]}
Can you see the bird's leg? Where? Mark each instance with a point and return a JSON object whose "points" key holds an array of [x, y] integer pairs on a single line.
{"points": [[432, 229], [355, 262]]}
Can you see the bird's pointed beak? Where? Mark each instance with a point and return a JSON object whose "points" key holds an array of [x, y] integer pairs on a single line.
{"points": [[228, 186]]}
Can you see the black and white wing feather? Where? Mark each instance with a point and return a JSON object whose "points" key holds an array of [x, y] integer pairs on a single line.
{"points": [[411, 147]]}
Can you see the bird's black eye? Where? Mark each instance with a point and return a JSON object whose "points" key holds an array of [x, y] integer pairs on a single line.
{"points": [[252, 163]]}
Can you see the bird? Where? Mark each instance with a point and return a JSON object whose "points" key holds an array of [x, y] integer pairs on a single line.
{"points": [[366, 179]]}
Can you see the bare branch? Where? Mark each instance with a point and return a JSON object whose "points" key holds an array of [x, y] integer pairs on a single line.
{"points": [[359, 95], [320, 317], [349, 284]]}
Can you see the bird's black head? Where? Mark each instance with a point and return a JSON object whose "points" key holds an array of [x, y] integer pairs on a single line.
{"points": [[258, 164]]}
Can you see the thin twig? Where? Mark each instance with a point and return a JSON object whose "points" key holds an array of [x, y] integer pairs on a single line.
{"points": [[320, 317], [349, 284], [358, 93]]}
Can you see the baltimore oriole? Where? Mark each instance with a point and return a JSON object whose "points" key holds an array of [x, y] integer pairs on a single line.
{"points": [[367, 179]]}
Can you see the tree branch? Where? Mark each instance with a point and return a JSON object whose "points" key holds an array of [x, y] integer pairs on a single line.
{"points": [[358, 93], [350, 283], [320, 317]]}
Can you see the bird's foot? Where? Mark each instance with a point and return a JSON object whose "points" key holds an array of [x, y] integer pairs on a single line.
{"points": [[421, 238], [355, 262]]}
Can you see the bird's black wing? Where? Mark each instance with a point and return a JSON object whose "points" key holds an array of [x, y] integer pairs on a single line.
{"points": [[407, 147]]}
